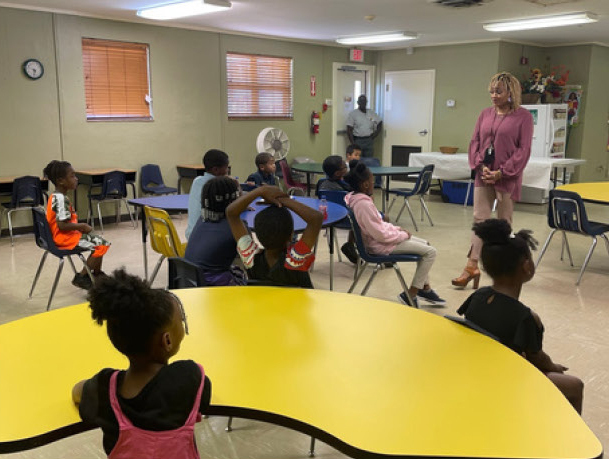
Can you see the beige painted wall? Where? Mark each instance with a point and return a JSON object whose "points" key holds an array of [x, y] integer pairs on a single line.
{"points": [[462, 74]]}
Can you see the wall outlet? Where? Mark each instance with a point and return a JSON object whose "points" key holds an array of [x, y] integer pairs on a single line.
{"points": [[329, 102], [450, 103]]}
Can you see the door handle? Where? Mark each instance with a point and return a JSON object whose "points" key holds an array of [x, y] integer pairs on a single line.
{"points": [[423, 132]]}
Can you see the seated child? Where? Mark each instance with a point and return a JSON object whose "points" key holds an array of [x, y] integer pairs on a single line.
{"points": [[216, 165], [265, 175], [162, 401], [353, 153], [383, 238], [63, 220], [335, 169], [211, 244], [506, 257], [279, 260]]}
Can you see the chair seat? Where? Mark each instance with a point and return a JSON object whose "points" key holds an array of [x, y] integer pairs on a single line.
{"points": [[391, 258], [161, 189], [402, 191], [598, 228]]}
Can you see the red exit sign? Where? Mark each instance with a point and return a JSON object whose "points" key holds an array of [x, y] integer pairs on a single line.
{"points": [[356, 55]]}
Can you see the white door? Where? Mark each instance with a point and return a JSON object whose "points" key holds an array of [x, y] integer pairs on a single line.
{"points": [[408, 113], [350, 81]]}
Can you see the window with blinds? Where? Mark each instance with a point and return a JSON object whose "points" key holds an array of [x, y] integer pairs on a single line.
{"points": [[116, 80], [259, 87]]}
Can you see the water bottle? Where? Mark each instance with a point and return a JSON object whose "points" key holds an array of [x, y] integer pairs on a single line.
{"points": [[323, 207]]}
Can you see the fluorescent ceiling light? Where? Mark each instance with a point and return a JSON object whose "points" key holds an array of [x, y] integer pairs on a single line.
{"points": [[370, 39], [183, 9], [540, 23]]}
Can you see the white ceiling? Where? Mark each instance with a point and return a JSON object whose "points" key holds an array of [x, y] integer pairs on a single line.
{"points": [[323, 21]]}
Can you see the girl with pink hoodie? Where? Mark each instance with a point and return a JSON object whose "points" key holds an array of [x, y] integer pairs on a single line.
{"points": [[383, 238]]}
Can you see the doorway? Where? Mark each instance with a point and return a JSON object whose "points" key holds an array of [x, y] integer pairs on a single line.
{"points": [[349, 82], [408, 114]]}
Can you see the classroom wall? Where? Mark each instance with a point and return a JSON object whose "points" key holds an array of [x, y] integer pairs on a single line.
{"points": [[462, 74]]}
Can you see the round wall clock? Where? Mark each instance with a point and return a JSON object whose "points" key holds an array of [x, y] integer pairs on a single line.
{"points": [[33, 69]]}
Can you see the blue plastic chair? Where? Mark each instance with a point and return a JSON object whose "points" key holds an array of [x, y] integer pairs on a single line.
{"points": [[420, 189], [567, 214], [114, 189], [378, 260], [151, 181], [184, 274], [27, 193], [44, 240]]}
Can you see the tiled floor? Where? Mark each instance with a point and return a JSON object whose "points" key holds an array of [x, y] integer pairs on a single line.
{"points": [[576, 319]]}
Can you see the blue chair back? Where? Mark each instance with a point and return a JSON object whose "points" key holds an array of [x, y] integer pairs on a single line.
{"points": [[373, 162], [44, 237], [423, 182], [359, 241], [319, 183], [184, 274], [150, 174], [337, 197], [566, 212], [114, 185], [27, 191]]}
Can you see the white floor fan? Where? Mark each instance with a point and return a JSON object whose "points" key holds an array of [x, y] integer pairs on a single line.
{"points": [[274, 141]]}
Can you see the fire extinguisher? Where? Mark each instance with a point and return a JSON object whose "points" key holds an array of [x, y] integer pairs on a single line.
{"points": [[315, 122]]}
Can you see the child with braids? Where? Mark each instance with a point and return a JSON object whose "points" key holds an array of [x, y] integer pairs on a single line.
{"points": [[150, 409], [63, 220], [211, 245], [383, 238], [506, 257]]}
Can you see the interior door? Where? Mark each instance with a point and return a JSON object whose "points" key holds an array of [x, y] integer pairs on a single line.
{"points": [[408, 114], [350, 82]]}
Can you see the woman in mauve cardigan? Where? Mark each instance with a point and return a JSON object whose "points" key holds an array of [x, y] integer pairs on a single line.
{"points": [[508, 129]]}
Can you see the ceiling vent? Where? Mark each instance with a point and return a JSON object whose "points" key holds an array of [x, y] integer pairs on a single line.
{"points": [[459, 3]]}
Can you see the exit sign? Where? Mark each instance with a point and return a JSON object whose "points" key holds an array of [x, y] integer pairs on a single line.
{"points": [[356, 55]]}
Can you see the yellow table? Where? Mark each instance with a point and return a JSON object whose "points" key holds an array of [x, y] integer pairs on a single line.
{"points": [[369, 377], [597, 192]]}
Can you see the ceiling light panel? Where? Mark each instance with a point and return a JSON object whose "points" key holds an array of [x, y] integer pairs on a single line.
{"points": [[372, 39], [183, 9], [541, 23]]}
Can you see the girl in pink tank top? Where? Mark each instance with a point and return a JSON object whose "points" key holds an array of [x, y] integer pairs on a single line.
{"points": [[147, 325]]}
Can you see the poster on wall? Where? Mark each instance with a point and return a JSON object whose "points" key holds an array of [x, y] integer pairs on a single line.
{"points": [[572, 96]]}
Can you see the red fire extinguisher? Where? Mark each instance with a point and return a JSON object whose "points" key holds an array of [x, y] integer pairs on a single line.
{"points": [[315, 122]]}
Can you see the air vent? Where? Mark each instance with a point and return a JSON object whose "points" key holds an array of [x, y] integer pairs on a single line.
{"points": [[551, 2], [460, 3]]}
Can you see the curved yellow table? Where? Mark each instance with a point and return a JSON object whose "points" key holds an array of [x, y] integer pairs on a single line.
{"points": [[369, 377], [597, 192]]}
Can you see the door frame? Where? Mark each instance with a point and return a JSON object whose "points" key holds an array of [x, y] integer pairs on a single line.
{"points": [[386, 155], [370, 91]]}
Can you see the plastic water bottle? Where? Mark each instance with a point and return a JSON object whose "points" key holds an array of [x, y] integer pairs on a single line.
{"points": [[323, 207]]}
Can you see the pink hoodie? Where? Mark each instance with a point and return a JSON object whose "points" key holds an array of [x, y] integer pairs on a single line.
{"points": [[379, 236]]}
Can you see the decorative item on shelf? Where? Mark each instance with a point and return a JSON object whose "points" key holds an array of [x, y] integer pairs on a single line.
{"points": [[449, 150], [549, 87]]}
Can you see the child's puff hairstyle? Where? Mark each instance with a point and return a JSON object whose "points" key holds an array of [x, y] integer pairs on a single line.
{"points": [[351, 148], [263, 158], [216, 195], [332, 164], [358, 175], [56, 170], [215, 158], [133, 311], [274, 227], [503, 251]]}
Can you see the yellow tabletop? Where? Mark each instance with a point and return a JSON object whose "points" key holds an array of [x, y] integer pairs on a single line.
{"points": [[592, 191], [369, 377]]}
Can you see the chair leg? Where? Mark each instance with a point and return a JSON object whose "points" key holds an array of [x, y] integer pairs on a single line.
{"points": [[414, 222], [10, 226], [545, 246], [312, 447], [581, 273], [566, 244], [336, 244], [55, 282], [156, 269], [400, 212], [84, 262], [42, 260], [469, 189], [133, 222], [359, 271], [99, 217], [604, 236], [372, 276], [391, 204], [398, 272], [229, 424], [424, 207], [72, 264]]}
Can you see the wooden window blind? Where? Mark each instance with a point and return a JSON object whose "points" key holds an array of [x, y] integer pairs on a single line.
{"points": [[259, 87], [116, 80]]}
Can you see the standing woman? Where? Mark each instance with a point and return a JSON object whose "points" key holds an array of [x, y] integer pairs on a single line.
{"points": [[498, 153]]}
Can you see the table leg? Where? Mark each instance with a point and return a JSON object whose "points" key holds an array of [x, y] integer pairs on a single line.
{"points": [[564, 176], [180, 184], [309, 185], [144, 236], [331, 258]]}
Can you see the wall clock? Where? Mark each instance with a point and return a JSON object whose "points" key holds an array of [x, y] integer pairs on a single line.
{"points": [[33, 69]]}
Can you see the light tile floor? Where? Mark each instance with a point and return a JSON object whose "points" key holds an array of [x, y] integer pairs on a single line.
{"points": [[576, 319]]}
